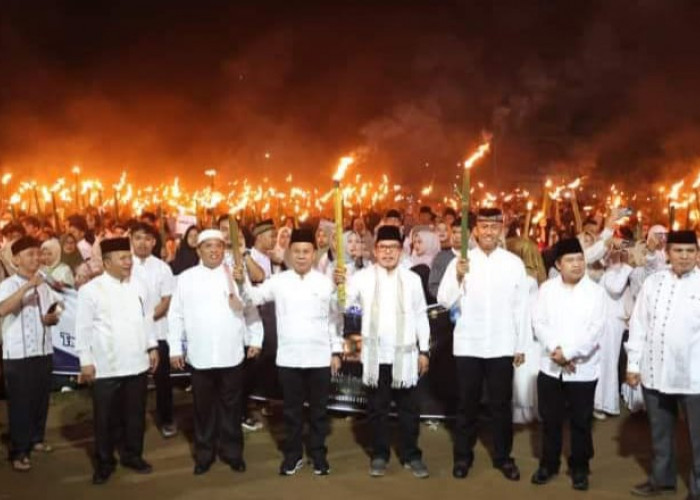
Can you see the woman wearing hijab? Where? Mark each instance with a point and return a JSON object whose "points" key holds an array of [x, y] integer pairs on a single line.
{"points": [[52, 265], [186, 255]]}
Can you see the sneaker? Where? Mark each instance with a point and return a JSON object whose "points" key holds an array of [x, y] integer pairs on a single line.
{"points": [[599, 415], [377, 467], [168, 430], [321, 467], [252, 424], [651, 490], [419, 469], [290, 467]]}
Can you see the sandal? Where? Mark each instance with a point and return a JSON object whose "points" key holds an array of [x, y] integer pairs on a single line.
{"points": [[43, 448], [22, 464]]}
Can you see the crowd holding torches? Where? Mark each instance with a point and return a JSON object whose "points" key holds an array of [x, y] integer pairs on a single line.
{"points": [[565, 203]]}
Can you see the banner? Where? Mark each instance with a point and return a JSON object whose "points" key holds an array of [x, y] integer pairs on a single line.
{"points": [[65, 359]]}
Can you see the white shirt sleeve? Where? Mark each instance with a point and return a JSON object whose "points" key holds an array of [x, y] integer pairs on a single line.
{"points": [[639, 325], [541, 322], [450, 290], [84, 320], [176, 322]]}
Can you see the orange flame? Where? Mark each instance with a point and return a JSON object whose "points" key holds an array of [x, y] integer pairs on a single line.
{"points": [[345, 162], [477, 155]]}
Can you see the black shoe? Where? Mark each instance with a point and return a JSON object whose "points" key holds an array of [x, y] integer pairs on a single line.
{"points": [[138, 465], [290, 467], [321, 467], [200, 469], [101, 476], [542, 476], [579, 481], [237, 465], [509, 470], [651, 490], [460, 470]]}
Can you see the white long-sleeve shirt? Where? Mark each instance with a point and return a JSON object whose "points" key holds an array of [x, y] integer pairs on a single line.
{"points": [[112, 330], [361, 290], [573, 318], [160, 283], [493, 300], [200, 316], [664, 342], [307, 317], [23, 333]]}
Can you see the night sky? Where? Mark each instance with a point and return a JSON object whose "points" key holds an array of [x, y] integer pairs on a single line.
{"points": [[166, 88]]}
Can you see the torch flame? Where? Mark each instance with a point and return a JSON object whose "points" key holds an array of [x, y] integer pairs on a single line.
{"points": [[6, 179], [696, 184], [675, 189], [477, 155], [345, 162], [529, 205], [575, 184]]}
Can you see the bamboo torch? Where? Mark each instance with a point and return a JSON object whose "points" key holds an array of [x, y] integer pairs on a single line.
{"points": [[466, 194], [345, 162]]}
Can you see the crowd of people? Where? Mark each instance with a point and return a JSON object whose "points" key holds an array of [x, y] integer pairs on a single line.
{"points": [[571, 328]]}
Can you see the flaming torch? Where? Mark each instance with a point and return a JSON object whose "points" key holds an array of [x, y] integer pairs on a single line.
{"points": [[574, 205], [76, 183], [5, 181], [528, 219], [696, 188], [466, 193], [345, 162]]}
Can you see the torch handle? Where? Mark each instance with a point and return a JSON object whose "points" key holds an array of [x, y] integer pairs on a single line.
{"points": [[233, 238]]}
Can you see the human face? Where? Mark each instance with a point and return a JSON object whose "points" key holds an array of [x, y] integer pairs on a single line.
{"points": [[442, 232], [354, 246], [588, 239], [358, 225], [322, 239], [418, 246], [267, 240], [682, 257], [425, 218], [456, 237], [47, 256], [143, 244], [283, 239], [223, 227], [211, 252], [76, 233], [118, 264], [488, 234], [28, 261], [302, 257], [392, 221], [69, 245], [387, 253], [192, 238], [572, 268]]}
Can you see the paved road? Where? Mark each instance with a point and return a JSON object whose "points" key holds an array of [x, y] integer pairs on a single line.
{"points": [[622, 453]]}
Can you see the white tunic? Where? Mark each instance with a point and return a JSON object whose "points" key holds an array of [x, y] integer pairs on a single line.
{"points": [[570, 317], [615, 281], [201, 317], [262, 260], [23, 333], [160, 283], [360, 291], [112, 330], [307, 317], [664, 343], [493, 300]]}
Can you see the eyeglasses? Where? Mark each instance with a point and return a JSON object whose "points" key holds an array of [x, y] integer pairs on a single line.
{"points": [[388, 248]]}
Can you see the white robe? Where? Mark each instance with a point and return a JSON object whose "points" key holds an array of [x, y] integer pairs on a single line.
{"points": [[525, 377]]}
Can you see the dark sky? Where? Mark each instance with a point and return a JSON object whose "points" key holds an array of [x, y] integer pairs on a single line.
{"points": [[174, 87]]}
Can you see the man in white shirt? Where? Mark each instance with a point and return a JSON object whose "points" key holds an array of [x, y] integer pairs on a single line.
{"points": [[395, 348], [209, 317], [492, 291], [117, 346], [159, 281], [569, 323], [308, 349], [663, 354], [25, 306]]}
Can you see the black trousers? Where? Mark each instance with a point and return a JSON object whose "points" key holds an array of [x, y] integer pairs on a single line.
{"points": [[217, 414], [497, 373], [28, 384], [299, 385], [251, 380], [164, 386], [119, 407], [554, 398], [378, 404]]}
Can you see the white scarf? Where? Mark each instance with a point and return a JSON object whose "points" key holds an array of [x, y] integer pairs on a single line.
{"points": [[405, 368]]}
